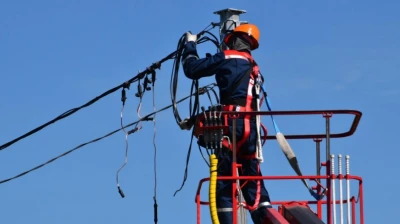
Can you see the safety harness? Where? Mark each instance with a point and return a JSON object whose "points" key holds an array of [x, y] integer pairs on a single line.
{"points": [[250, 103]]}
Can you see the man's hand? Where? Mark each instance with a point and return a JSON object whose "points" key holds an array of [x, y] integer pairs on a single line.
{"points": [[191, 37]]}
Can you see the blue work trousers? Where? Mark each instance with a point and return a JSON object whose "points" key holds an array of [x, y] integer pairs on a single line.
{"points": [[249, 168]]}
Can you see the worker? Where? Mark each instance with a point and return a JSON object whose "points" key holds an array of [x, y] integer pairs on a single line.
{"points": [[234, 71]]}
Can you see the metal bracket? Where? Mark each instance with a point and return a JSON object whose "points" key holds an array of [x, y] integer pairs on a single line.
{"points": [[229, 20]]}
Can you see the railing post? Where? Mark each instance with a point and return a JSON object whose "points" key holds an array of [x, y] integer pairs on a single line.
{"points": [[318, 167], [353, 209], [234, 173], [327, 117], [198, 208], [318, 156], [361, 201]]}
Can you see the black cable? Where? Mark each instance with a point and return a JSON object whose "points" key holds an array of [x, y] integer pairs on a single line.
{"points": [[202, 155], [193, 107], [187, 163], [209, 97], [205, 39], [174, 78], [215, 38], [196, 94], [155, 210], [155, 158], [215, 95], [145, 118], [72, 111]]}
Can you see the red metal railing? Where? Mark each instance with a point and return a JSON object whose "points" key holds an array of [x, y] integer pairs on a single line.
{"points": [[353, 199], [327, 114]]}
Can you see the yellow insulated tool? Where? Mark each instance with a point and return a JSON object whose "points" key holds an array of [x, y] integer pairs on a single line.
{"points": [[213, 189]]}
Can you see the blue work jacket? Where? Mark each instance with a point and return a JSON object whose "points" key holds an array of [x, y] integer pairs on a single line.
{"points": [[227, 71]]}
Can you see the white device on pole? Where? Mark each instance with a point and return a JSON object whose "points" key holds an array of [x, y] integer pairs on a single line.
{"points": [[348, 188], [333, 188], [340, 187]]}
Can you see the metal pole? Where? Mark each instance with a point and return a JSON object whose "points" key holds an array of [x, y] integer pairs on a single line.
{"points": [[229, 20], [234, 139], [318, 156], [318, 163], [328, 167], [234, 167], [353, 210], [328, 136]]}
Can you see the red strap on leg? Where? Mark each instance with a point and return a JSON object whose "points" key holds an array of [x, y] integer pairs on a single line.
{"points": [[258, 193], [246, 133], [245, 136]]}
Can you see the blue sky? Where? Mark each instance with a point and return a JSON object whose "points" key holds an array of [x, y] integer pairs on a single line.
{"points": [[56, 55]]}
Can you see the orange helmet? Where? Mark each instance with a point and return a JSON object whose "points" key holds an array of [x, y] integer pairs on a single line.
{"points": [[249, 29]]}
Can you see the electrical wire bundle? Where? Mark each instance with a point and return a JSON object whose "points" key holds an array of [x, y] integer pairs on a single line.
{"points": [[194, 107]]}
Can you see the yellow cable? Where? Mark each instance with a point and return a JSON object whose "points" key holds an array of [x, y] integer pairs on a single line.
{"points": [[213, 189]]}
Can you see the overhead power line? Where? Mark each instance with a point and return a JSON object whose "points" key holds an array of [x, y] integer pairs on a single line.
{"points": [[148, 117], [140, 75]]}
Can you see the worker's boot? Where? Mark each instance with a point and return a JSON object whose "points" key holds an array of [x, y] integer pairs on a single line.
{"points": [[260, 213]]}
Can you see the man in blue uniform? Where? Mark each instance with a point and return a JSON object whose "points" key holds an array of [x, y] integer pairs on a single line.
{"points": [[236, 74]]}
